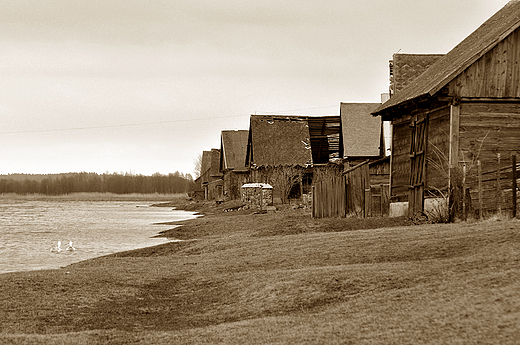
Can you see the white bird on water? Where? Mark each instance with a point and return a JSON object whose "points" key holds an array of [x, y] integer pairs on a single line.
{"points": [[57, 249], [70, 247]]}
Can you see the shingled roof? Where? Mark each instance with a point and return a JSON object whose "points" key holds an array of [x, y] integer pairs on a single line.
{"points": [[233, 148], [279, 140], [361, 131], [405, 68], [210, 164], [482, 40]]}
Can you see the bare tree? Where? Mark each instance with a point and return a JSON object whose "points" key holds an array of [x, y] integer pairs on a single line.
{"points": [[197, 162]]}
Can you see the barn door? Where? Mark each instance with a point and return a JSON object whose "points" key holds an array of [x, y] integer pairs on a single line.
{"points": [[417, 164]]}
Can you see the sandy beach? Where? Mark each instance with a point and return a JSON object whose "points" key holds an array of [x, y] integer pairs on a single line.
{"points": [[281, 277]]}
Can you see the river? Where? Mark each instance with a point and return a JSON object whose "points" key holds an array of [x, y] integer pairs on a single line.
{"points": [[29, 229]]}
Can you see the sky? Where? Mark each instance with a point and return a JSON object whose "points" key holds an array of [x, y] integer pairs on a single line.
{"points": [[144, 86]]}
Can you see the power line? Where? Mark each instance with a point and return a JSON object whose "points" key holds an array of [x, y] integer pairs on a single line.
{"points": [[149, 123], [116, 126], [284, 111]]}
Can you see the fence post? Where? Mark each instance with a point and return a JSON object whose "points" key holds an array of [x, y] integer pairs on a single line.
{"points": [[513, 159], [480, 202], [499, 189], [313, 202], [464, 191]]}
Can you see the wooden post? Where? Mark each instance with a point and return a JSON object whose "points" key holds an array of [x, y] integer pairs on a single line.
{"points": [[261, 197], [499, 189], [513, 160], [453, 156], [480, 201], [367, 202], [381, 200], [464, 191], [313, 202]]}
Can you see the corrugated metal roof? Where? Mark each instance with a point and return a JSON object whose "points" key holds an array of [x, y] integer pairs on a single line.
{"points": [[233, 149], [488, 35], [361, 130]]}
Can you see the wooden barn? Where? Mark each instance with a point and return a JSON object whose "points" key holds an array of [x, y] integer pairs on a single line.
{"points": [[210, 180], [282, 150], [463, 109], [233, 148]]}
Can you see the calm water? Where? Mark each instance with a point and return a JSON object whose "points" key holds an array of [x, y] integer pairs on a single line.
{"points": [[29, 229]]}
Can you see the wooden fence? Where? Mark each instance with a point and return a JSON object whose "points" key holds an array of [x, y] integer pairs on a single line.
{"points": [[493, 190], [352, 195], [329, 198]]}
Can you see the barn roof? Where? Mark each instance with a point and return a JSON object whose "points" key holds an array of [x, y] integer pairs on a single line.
{"points": [[407, 67], [361, 131], [233, 149], [482, 40], [279, 140], [210, 164], [324, 132]]}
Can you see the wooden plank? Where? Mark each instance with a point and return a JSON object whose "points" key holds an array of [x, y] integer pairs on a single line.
{"points": [[454, 136], [481, 205], [513, 185], [499, 190]]}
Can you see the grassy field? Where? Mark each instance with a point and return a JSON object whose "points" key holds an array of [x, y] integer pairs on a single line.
{"points": [[281, 278]]}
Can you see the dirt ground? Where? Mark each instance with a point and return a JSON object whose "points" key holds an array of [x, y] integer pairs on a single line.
{"points": [[280, 277]]}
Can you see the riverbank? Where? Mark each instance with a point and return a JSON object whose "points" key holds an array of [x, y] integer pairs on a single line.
{"points": [[281, 277]]}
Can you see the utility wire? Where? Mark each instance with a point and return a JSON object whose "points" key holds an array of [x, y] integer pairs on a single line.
{"points": [[116, 126], [148, 123]]}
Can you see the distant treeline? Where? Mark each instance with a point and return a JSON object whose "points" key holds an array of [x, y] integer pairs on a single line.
{"points": [[60, 184]]}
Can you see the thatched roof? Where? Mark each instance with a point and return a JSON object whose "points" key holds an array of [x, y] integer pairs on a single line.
{"points": [[233, 148], [405, 68], [481, 41], [279, 140], [361, 130]]}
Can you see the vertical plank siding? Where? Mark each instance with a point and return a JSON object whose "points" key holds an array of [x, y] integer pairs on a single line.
{"points": [[437, 150], [329, 198], [400, 160], [350, 195], [496, 74]]}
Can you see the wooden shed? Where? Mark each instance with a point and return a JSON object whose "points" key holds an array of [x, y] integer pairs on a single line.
{"points": [[464, 108], [233, 147], [278, 152], [285, 148], [210, 180]]}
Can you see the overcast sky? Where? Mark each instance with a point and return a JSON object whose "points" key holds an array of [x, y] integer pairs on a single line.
{"points": [[145, 86]]}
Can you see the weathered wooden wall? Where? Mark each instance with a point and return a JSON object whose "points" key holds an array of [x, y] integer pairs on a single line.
{"points": [[400, 159], [232, 183], [437, 150], [353, 194], [329, 198], [380, 172], [488, 128], [358, 183], [496, 74]]}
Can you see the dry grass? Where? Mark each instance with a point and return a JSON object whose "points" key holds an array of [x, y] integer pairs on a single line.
{"points": [[281, 278]]}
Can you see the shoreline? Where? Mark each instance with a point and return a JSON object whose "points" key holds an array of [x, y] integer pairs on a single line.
{"points": [[102, 197], [280, 277]]}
